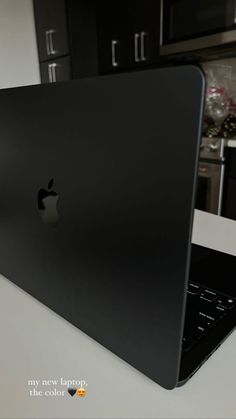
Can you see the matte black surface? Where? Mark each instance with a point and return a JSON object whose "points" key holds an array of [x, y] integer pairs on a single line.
{"points": [[116, 265]]}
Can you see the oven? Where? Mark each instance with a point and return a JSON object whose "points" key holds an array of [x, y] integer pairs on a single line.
{"points": [[195, 25], [211, 176]]}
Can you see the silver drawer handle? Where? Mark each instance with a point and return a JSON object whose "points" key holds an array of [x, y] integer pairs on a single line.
{"points": [[52, 74], [214, 147], [49, 42], [114, 44], [142, 48], [136, 47]]}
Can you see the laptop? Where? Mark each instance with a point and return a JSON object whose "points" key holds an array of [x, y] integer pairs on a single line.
{"points": [[98, 182]]}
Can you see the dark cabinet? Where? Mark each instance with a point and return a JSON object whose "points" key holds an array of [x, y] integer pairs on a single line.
{"points": [[67, 39], [145, 31], [115, 52], [82, 25], [128, 34], [51, 28], [103, 37], [56, 70], [97, 37]]}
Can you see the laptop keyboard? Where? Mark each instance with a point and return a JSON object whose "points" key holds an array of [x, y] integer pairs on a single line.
{"points": [[205, 308]]}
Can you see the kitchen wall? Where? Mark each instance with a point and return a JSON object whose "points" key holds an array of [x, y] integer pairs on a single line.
{"points": [[18, 49]]}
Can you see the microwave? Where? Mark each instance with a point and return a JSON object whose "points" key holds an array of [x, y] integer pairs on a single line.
{"points": [[191, 25]]}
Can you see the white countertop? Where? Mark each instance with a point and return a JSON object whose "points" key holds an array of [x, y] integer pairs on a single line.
{"points": [[38, 344]]}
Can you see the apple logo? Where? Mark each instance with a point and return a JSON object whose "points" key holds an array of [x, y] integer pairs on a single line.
{"points": [[47, 205]]}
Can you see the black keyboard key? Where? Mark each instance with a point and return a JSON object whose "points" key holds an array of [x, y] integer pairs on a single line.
{"points": [[204, 309], [221, 310], [193, 289], [226, 302], [208, 295], [209, 318], [213, 311], [202, 328], [195, 331], [192, 335]]}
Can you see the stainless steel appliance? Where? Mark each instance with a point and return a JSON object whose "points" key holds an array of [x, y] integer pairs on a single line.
{"points": [[211, 175], [195, 25]]}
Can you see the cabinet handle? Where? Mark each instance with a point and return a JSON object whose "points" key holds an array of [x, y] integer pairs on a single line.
{"points": [[234, 11], [202, 170], [52, 74], [49, 42], [114, 44], [142, 47], [136, 47]]}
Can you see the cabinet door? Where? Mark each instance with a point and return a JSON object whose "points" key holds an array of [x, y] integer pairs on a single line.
{"points": [[145, 31], [83, 37], [56, 70], [51, 28], [129, 34], [114, 48]]}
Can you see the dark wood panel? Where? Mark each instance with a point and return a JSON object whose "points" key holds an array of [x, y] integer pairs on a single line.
{"points": [[56, 70], [82, 24], [51, 28]]}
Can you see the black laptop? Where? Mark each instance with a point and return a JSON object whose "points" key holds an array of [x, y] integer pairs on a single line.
{"points": [[98, 180]]}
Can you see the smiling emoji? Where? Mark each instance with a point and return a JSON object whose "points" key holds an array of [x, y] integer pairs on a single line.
{"points": [[81, 392]]}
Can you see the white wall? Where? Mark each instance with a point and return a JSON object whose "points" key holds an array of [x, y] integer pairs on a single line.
{"points": [[18, 49]]}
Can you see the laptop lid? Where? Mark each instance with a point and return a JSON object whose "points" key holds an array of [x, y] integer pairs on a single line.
{"points": [[97, 181]]}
